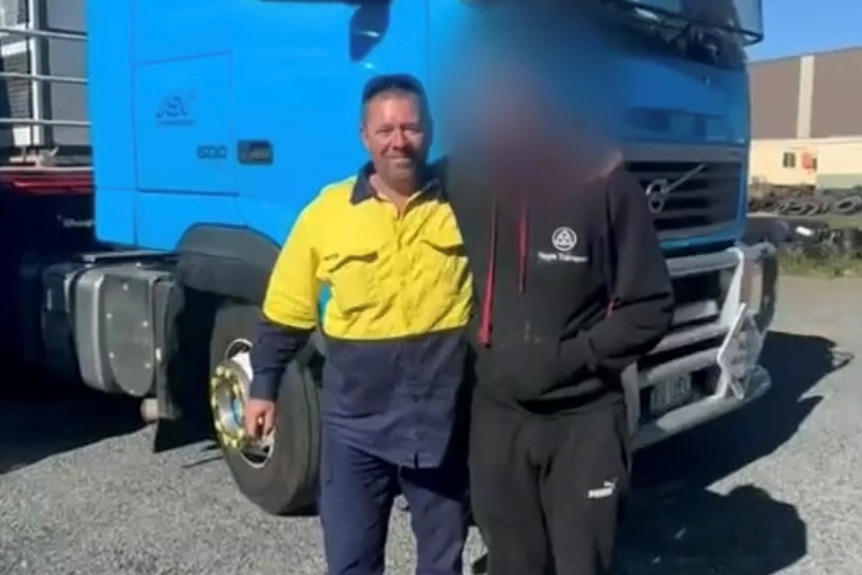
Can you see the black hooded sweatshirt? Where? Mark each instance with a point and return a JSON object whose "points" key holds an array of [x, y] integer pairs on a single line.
{"points": [[571, 284]]}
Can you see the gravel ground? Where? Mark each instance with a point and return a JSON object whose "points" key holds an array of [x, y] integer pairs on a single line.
{"points": [[772, 489]]}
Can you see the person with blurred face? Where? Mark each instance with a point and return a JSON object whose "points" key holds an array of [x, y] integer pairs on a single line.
{"points": [[572, 289], [386, 244]]}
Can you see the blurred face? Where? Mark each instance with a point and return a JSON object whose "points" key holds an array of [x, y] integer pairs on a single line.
{"points": [[394, 132]]}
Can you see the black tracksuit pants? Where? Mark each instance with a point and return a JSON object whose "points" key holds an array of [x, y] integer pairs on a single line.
{"points": [[547, 491]]}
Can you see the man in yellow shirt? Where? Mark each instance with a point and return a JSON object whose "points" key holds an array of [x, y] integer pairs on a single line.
{"points": [[387, 246]]}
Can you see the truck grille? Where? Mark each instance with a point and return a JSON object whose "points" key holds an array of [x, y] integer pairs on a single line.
{"points": [[701, 203]]}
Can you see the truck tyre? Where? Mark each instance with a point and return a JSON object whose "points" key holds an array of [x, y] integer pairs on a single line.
{"points": [[282, 479]]}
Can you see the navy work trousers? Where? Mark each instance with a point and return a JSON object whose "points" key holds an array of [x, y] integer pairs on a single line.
{"points": [[357, 492]]}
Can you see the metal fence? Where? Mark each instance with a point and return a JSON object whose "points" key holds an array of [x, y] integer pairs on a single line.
{"points": [[39, 112]]}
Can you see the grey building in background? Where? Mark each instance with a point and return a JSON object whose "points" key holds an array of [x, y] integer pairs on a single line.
{"points": [[774, 98], [810, 96], [836, 108], [807, 119]]}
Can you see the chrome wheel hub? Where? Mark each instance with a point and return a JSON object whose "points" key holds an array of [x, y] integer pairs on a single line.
{"points": [[229, 388]]}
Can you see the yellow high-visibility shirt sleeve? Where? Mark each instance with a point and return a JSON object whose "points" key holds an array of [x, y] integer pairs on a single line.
{"points": [[293, 290]]}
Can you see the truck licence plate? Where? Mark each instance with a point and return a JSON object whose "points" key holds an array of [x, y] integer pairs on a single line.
{"points": [[671, 393]]}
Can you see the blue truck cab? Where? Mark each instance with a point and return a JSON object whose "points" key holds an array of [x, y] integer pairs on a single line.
{"points": [[214, 122]]}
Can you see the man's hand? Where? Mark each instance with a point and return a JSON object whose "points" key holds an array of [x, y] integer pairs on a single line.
{"points": [[259, 418]]}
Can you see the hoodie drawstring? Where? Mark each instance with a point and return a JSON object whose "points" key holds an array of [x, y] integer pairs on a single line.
{"points": [[522, 249], [488, 295]]}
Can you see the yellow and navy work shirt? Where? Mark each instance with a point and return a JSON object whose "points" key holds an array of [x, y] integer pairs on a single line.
{"points": [[400, 299]]}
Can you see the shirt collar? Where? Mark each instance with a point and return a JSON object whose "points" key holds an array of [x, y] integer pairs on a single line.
{"points": [[362, 189]]}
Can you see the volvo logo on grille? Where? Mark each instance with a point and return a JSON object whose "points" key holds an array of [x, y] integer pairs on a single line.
{"points": [[658, 191]]}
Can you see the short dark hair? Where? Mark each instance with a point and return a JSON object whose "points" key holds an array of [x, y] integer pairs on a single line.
{"points": [[392, 83]]}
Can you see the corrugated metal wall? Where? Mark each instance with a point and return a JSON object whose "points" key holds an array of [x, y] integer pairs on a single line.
{"points": [[18, 91], [13, 12], [16, 95]]}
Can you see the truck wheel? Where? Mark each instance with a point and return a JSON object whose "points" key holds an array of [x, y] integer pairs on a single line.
{"points": [[280, 474]]}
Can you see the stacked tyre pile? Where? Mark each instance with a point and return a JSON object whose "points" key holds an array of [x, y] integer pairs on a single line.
{"points": [[819, 205], [819, 225]]}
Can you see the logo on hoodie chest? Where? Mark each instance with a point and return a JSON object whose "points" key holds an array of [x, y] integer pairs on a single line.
{"points": [[564, 240]]}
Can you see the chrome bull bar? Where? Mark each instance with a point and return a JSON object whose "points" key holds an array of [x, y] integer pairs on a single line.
{"points": [[742, 321]]}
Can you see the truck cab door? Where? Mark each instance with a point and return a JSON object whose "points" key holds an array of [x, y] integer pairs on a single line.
{"points": [[184, 125], [297, 77]]}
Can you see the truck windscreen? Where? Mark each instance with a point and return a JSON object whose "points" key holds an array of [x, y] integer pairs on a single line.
{"points": [[741, 17], [714, 32]]}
